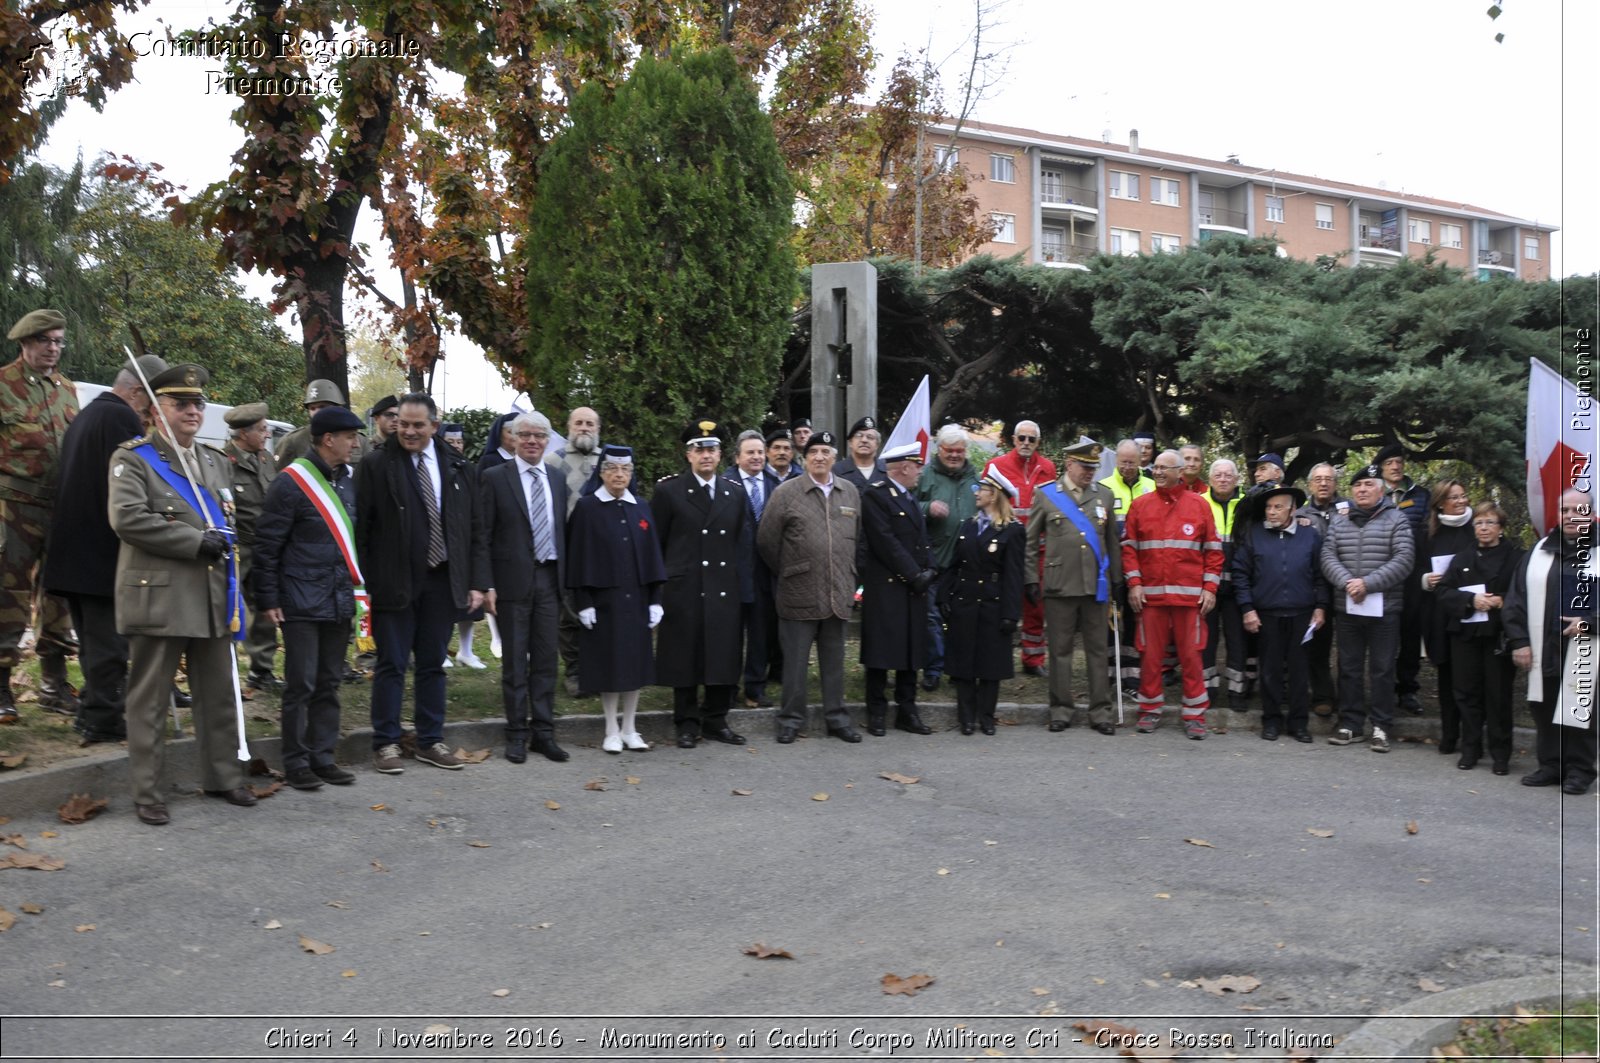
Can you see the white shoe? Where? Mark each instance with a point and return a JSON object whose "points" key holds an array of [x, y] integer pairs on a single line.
{"points": [[634, 740], [470, 660], [448, 663], [494, 646], [612, 744]]}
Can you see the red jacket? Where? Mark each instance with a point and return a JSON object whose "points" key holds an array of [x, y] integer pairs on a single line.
{"points": [[1038, 471], [1170, 547]]}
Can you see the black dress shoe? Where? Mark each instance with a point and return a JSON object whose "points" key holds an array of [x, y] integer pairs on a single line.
{"points": [[845, 734], [986, 728], [1575, 786], [242, 796], [1057, 726], [1107, 728], [687, 741], [727, 737], [1270, 730], [1468, 761], [1411, 703], [1541, 778], [1034, 670], [517, 751], [911, 722], [876, 730], [1502, 767], [551, 751], [1303, 735], [155, 815], [332, 773], [930, 682], [967, 729], [786, 735]]}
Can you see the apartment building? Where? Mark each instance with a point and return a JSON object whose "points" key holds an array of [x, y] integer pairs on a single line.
{"points": [[1061, 200]]}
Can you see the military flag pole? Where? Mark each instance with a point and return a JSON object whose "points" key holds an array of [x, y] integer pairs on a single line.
{"points": [[205, 515]]}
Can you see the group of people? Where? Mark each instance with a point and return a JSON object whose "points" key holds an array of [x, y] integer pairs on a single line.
{"points": [[726, 580]]}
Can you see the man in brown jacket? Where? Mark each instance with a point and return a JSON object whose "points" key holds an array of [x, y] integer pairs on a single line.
{"points": [[807, 537]]}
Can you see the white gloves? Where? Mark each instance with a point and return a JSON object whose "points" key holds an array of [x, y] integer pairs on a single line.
{"points": [[656, 613], [586, 617]]}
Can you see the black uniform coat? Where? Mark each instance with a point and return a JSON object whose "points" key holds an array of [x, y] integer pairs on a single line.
{"points": [[82, 555], [892, 550], [704, 544], [983, 586], [392, 528], [845, 469], [614, 567]]}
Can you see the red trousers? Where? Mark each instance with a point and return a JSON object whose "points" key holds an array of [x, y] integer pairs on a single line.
{"points": [[1183, 628], [1033, 643]]}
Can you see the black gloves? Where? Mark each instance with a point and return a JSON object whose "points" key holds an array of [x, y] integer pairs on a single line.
{"points": [[1007, 626], [213, 544], [920, 583], [1033, 593]]}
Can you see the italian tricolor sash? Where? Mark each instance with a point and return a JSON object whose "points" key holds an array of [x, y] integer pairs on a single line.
{"points": [[310, 480]]}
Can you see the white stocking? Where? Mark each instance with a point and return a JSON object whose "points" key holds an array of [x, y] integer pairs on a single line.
{"points": [[608, 705], [630, 707]]}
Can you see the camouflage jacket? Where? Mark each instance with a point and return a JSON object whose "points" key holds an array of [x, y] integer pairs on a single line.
{"points": [[35, 409]]}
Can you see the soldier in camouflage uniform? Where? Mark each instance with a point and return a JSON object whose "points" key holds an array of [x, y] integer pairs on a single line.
{"points": [[36, 405], [297, 444], [253, 471]]}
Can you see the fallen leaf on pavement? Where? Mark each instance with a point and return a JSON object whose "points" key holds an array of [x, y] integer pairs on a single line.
{"points": [[1163, 896], [36, 861], [347, 974], [7, 920], [83, 928], [741, 793], [479, 845], [14, 839], [476, 757], [767, 952], [552, 805], [59, 983], [1411, 826], [377, 865], [1448, 1052], [13, 760], [908, 986], [1200, 842], [1428, 985], [1115, 1034], [1040, 991], [1151, 982], [819, 797], [47, 834], [381, 807], [267, 790], [1319, 832], [81, 807], [634, 780], [903, 780], [272, 924], [1526, 1017], [338, 904], [1230, 983], [315, 947], [30, 908], [595, 784], [501, 993], [257, 766]]}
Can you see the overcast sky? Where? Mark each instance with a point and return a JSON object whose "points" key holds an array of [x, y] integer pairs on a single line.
{"points": [[1413, 96]]}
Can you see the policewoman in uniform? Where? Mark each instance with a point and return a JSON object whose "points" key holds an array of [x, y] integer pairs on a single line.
{"points": [[982, 595]]}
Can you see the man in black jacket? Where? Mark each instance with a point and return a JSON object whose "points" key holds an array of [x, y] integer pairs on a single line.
{"points": [[895, 565], [303, 584], [81, 562], [419, 537]]}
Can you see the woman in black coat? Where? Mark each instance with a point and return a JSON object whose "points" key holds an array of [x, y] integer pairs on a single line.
{"points": [[615, 571], [981, 595], [1482, 673], [1449, 534]]}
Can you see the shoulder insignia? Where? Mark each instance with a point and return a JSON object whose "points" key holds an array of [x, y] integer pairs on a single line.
{"points": [[1304, 522], [136, 441]]}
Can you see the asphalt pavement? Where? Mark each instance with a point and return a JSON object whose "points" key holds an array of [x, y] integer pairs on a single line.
{"points": [[1278, 895]]}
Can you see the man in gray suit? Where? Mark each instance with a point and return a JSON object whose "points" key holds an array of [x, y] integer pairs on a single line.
{"points": [[524, 510]]}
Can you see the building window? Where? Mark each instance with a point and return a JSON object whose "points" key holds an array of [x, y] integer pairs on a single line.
{"points": [[1449, 235], [1053, 244], [1124, 185], [1161, 242], [1002, 168], [1274, 208], [1324, 215], [1005, 228], [1052, 186], [1163, 190], [1124, 241], [1419, 230], [945, 157], [1530, 247]]}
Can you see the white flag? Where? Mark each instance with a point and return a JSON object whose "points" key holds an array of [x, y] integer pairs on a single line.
{"points": [[916, 424], [1560, 447]]}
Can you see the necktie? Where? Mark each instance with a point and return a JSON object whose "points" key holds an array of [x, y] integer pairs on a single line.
{"points": [[539, 517], [983, 523], [753, 485], [430, 502]]}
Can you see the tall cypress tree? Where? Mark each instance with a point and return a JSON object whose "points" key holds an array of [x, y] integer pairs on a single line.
{"points": [[661, 280]]}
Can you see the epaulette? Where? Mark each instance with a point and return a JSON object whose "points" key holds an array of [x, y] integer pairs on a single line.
{"points": [[136, 441], [669, 476], [213, 448]]}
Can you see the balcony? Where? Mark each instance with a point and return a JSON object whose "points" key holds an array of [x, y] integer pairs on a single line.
{"points": [[1057, 197], [1221, 218], [1374, 238], [1497, 258], [1066, 255]]}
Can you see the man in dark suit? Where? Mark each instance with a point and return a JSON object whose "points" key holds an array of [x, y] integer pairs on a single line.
{"points": [[524, 504], [702, 522], [763, 660], [419, 540], [81, 562], [895, 563]]}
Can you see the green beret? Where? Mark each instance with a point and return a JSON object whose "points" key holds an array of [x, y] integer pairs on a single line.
{"points": [[36, 322], [246, 415]]}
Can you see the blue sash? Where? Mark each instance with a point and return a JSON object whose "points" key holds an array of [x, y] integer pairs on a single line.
{"points": [[1069, 509], [211, 513]]}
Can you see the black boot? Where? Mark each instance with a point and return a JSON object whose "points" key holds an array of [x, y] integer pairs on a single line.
{"points": [[55, 693], [875, 721], [909, 719], [8, 708]]}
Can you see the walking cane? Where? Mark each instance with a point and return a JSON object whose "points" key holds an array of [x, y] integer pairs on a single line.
{"points": [[205, 515]]}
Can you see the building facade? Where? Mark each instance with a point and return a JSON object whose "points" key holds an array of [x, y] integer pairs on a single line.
{"points": [[1061, 200]]}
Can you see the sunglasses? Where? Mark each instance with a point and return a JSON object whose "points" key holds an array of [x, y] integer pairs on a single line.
{"points": [[1026, 439], [185, 403]]}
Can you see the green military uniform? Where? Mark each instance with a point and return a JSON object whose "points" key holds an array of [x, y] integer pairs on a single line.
{"points": [[252, 474], [35, 409], [172, 601]]}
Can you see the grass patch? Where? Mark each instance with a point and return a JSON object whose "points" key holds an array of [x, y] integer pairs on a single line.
{"points": [[1536, 1034]]}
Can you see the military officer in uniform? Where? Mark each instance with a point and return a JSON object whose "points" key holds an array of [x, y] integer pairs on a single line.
{"points": [[895, 564], [1072, 527], [177, 591], [297, 444], [701, 522], [253, 472], [36, 405]]}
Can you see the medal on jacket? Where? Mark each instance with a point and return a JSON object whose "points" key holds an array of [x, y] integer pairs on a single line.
{"points": [[994, 545]]}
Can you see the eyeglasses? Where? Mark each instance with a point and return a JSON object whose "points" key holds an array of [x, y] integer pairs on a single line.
{"points": [[185, 403], [49, 341], [1020, 438], [1169, 468]]}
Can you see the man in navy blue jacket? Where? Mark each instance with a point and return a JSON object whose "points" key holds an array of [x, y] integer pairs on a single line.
{"points": [[1282, 594]]}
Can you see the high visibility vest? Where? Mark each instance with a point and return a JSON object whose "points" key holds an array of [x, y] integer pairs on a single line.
{"points": [[1122, 495], [1222, 514]]}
